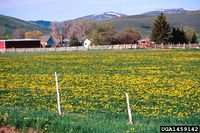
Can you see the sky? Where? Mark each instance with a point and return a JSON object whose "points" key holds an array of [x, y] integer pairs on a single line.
{"points": [[60, 10]]}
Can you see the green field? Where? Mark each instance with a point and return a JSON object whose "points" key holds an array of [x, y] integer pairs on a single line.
{"points": [[164, 89]]}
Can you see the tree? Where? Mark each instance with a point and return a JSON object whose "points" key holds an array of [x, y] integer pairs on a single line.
{"points": [[183, 35], [194, 38], [55, 32], [19, 33], [55, 29], [102, 35], [190, 34], [28, 35], [74, 40], [178, 36], [65, 33], [161, 30], [33, 34], [129, 36], [198, 38], [83, 28], [7, 37], [38, 34]]}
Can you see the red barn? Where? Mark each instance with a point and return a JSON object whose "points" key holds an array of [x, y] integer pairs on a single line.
{"points": [[20, 43]]}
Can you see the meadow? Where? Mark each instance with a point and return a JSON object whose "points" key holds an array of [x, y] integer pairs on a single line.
{"points": [[163, 86]]}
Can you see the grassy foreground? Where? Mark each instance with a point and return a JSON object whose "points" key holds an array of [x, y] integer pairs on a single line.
{"points": [[45, 121], [163, 88]]}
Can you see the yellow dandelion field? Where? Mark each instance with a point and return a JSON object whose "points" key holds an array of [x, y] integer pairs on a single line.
{"points": [[159, 83]]}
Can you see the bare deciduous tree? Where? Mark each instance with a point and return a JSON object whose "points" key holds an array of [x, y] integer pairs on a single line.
{"points": [[55, 32], [65, 33], [82, 28], [129, 36], [19, 33], [55, 29], [64, 30]]}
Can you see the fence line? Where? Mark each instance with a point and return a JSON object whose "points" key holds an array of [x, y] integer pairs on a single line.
{"points": [[99, 47]]}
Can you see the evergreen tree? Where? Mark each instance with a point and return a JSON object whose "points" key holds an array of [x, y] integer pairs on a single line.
{"points": [[178, 36], [183, 35], [161, 32], [194, 38]]}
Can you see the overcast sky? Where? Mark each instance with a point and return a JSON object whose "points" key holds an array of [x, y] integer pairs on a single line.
{"points": [[58, 10]]}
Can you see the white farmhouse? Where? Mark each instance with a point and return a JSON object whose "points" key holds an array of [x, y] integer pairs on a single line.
{"points": [[87, 43]]}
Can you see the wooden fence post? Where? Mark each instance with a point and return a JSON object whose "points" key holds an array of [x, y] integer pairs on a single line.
{"points": [[184, 46], [136, 46], [171, 46], [58, 95], [129, 109]]}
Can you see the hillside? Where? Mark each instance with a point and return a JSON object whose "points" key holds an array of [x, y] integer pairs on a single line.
{"points": [[10, 24], [166, 11], [44, 23], [144, 23]]}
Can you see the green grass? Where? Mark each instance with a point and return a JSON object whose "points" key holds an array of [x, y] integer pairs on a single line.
{"points": [[46, 121], [51, 122]]}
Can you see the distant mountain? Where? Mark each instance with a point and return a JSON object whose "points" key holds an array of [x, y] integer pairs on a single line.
{"points": [[144, 23], [103, 16], [42, 23], [10, 24], [166, 11]]}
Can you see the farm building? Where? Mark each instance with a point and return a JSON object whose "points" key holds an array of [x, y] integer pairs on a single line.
{"points": [[20, 43], [87, 43], [47, 41], [66, 42], [144, 43]]}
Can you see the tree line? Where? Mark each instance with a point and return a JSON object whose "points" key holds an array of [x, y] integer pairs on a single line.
{"points": [[105, 34], [21, 33], [162, 33], [98, 33]]}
